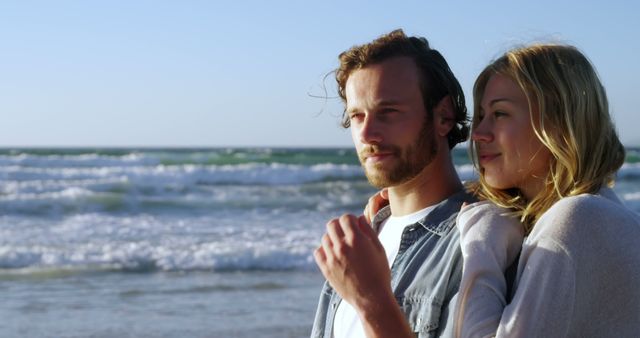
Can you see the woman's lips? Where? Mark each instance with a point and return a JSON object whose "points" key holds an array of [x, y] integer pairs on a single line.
{"points": [[485, 158]]}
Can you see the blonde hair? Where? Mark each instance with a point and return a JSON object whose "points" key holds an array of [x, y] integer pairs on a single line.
{"points": [[574, 125]]}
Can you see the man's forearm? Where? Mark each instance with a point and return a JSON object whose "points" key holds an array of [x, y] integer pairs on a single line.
{"points": [[384, 318]]}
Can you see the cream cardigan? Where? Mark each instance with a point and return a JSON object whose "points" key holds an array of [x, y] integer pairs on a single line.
{"points": [[578, 273]]}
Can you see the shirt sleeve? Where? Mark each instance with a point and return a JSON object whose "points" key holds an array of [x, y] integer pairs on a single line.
{"points": [[490, 241], [543, 304]]}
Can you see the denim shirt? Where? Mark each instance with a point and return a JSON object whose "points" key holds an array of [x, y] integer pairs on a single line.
{"points": [[425, 276]]}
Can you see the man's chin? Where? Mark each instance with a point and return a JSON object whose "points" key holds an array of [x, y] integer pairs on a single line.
{"points": [[389, 177], [378, 183], [380, 180]]}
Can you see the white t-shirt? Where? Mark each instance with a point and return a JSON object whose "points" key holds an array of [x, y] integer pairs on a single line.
{"points": [[347, 323]]}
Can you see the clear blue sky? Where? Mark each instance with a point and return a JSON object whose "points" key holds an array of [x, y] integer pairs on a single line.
{"points": [[239, 73]]}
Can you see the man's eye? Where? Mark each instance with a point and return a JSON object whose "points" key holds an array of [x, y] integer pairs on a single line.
{"points": [[387, 114], [355, 116]]}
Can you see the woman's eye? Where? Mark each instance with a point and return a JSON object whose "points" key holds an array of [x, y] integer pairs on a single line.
{"points": [[499, 113]]}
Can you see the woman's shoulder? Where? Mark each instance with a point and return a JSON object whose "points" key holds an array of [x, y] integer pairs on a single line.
{"points": [[586, 215], [582, 204], [587, 206]]}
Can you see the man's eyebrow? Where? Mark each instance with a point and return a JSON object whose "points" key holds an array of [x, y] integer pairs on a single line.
{"points": [[383, 103], [386, 103], [351, 110]]}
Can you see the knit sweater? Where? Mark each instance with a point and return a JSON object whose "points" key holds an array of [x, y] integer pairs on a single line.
{"points": [[578, 274]]}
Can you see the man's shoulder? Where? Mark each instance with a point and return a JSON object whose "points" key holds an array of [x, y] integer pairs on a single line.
{"points": [[443, 217]]}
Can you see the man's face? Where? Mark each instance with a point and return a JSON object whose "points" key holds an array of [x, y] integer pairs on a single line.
{"points": [[389, 126]]}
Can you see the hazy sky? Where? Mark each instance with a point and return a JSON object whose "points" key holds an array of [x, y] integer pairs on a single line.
{"points": [[244, 73]]}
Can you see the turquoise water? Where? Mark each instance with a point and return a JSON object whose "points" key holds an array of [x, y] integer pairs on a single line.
{"points": [[176, 242]]}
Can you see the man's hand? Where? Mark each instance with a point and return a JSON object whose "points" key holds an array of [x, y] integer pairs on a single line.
{"points": [[375, 203], [354, 262]]}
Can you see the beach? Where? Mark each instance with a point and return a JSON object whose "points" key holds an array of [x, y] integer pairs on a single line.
{"points": [[213, 242]]}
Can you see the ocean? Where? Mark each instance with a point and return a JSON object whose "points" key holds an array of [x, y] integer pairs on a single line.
{"points": [[213, 242]]}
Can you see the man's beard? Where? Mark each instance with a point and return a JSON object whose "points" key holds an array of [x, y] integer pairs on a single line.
{"points": [[410, 161]]}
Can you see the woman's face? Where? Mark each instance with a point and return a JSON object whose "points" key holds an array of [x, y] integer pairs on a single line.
{"points": [[509, 152]]}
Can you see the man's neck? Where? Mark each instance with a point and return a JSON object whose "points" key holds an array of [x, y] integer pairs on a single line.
{"points": [[434, 183]]}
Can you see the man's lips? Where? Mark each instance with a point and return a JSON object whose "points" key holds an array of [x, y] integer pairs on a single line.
{"points": [[377, 157]]}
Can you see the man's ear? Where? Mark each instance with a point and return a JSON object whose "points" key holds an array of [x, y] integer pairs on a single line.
{"points": [[443, 116]]}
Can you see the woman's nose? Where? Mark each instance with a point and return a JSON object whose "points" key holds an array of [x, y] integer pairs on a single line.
{"points": [[482, 132]]}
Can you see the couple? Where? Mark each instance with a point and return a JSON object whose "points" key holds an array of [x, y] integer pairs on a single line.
{"points": [[433, 261]]}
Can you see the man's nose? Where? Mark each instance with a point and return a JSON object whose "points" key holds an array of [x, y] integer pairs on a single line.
{"points": [[371, 131]]}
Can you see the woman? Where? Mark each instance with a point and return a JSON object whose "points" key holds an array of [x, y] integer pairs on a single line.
{"points": [[547, 150]]}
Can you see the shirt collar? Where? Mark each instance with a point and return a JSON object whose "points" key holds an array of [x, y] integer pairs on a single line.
{"points": [[439, 220]]}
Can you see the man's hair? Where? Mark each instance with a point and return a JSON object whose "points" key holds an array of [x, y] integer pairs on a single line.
{"points": [[574, 124], [436, 78]]}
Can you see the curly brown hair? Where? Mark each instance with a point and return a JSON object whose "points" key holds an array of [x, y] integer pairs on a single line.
{"points": [[436, 78]]}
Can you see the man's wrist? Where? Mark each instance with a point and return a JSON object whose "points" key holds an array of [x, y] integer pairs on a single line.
{"points": [[374, 308], [383, 317]]}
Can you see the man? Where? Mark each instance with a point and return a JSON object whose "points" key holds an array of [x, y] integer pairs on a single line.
{"points": [[399, 276]]}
